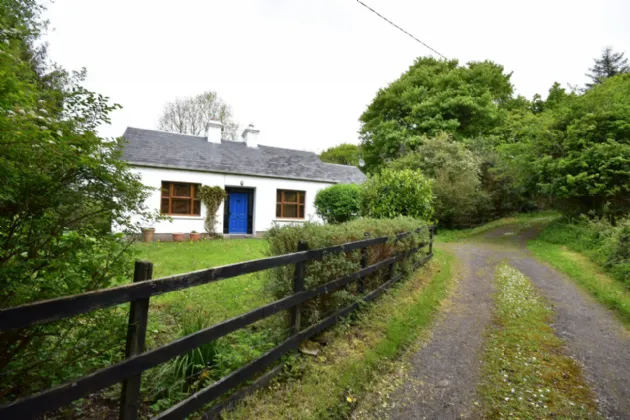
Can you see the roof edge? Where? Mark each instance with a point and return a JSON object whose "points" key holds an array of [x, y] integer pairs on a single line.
{"points": [[154, 165]]}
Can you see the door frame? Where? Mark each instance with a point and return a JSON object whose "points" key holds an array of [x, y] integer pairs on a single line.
{"points": [[250, 209]]}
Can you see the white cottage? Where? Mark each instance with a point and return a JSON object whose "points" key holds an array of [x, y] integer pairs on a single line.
{"points": [[265, 185]]}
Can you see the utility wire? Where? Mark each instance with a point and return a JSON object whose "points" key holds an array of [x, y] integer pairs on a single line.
{"points": [[398, 27]]}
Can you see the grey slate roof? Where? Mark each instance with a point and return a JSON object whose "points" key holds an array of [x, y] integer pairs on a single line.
{"points": [[170, 150]]}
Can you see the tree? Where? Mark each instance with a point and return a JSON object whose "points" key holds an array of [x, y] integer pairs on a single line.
{"points": [[610, 64], [191, 115], [434, 96], [343, 154], [455, 171], [63, 188], [578, 153]]}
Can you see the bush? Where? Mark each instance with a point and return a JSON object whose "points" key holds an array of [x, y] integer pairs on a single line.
{"points": [[283, 240], [393, 193], [338, 203], [459, 200], [607, 245], [455, 171]]}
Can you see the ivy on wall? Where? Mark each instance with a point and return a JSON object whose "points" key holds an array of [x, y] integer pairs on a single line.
{"points": [[211, 197]]}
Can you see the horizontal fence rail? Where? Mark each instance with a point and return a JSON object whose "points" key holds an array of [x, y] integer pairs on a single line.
{"points": [[139, 361], [66, 307]]}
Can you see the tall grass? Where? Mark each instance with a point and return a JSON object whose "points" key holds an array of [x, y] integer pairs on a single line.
{"points": [[204, 365], [605, 244]]}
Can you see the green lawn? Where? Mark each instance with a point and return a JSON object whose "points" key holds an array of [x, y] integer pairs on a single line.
{"points": [[181, 257], [213, 302]]}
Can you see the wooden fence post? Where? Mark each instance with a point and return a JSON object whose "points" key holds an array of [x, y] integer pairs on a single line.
{"points": [[136, 334], [392, 268], [431, 239], [298, 286], [364, 263]]}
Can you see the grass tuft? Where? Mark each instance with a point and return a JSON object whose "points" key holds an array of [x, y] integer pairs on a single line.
{"points": [[526, 373]]}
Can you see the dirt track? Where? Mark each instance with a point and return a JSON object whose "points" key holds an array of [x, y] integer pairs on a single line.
{"points": [[445, 372]]}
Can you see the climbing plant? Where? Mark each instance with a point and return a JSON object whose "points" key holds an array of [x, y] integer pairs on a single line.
{"points": [[211, 197]]}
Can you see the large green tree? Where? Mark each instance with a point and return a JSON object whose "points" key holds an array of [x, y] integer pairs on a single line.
{"points": [[63, 187], [608, 65], [577, 152], [434, 96]]}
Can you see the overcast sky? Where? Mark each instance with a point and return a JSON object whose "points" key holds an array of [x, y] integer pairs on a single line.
{"points": [[303, 71]]}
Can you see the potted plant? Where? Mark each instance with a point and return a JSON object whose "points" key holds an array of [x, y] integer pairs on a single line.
{"points": [[147, 234], [195, 236], [179, 237]]}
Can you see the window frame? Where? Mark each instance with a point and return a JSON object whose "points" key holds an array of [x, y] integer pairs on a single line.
{"points": [[194, 189], [282, 203]]}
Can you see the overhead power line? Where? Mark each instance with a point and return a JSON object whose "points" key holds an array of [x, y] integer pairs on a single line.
{"points": [[399, 28]]}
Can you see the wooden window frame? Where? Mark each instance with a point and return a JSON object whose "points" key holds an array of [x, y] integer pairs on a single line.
{"points": [[171, 188], [282, 202]]}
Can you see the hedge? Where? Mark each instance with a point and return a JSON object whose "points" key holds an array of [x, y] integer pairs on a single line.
{"points": [[283, 240]]}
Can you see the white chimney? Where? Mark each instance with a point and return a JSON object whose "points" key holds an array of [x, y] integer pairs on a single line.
{"points": [[214, 131], [250, 136]]}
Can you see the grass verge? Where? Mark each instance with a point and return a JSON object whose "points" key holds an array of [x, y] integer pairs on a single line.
{"points": [[613, 294], [520, 221], [331, 384], [526, 373]]}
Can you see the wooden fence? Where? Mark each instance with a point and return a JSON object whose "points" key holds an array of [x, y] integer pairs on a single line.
{"points": [[129, 371]]}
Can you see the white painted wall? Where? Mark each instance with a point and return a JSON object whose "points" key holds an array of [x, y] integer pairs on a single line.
{"points": [[264, 197]]}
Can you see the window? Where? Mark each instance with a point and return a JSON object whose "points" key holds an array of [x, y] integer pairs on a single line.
{"points": [[290, 204], [180, 199]]}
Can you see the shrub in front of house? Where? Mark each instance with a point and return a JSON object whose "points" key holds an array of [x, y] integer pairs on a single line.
{"points": [[392, 193], [283, 240], [338, 203]]}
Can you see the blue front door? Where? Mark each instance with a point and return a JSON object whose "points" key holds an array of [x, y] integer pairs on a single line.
{"points": [[239, 204]]}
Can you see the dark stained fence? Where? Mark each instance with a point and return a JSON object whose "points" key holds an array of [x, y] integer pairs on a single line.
{"points": [[129, 371]]}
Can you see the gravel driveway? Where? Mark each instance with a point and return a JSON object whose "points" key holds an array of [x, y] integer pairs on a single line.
{"points": [[445, 372]]}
